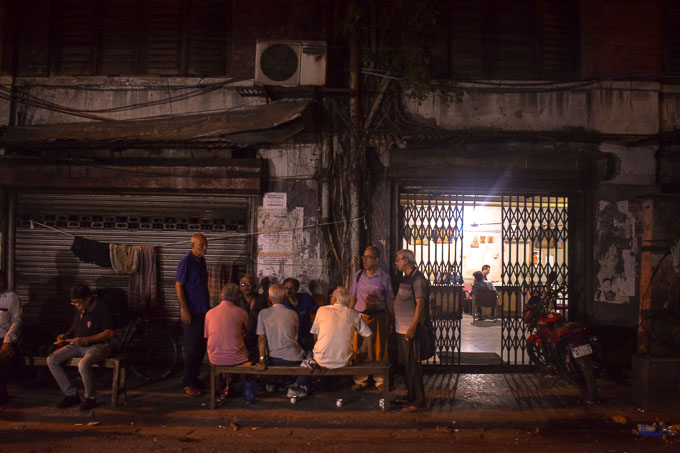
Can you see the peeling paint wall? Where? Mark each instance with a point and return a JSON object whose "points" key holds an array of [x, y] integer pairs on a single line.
{"points": [[616, 252], [290, 244]]}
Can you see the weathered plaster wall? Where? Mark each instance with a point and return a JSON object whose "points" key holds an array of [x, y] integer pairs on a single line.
{"points": [[604, 107], [127, 97]]}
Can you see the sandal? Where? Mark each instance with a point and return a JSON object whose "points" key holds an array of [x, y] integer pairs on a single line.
{"points": [[411, 409], [192, 391]]}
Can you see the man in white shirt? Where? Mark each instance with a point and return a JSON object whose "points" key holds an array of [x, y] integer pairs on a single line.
{"points": [[334, 327], [10, 324]]}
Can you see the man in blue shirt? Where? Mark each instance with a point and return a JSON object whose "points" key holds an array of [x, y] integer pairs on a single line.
{"points": [[194, 301], [305, 307]]}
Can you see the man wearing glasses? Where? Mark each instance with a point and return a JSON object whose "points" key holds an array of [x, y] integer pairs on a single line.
{"points": [[252, 303], [88, 338], [409, 311], [371, 292]]}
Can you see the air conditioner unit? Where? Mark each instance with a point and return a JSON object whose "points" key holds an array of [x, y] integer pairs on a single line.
{"points": [[290, 63]]}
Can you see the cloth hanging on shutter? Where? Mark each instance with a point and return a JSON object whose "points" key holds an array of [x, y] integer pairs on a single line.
{"points": [[143, 284], [219, 275], [124, 258], [90, 251]]}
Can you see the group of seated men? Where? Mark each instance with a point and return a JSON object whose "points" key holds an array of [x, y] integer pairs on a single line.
{"points": [[290, 326]]}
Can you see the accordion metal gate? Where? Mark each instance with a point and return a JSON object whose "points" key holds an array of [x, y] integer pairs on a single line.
{"points": [[534, 254]]}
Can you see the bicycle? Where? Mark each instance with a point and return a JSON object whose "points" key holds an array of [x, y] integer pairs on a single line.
{"points": [[152, 351]]}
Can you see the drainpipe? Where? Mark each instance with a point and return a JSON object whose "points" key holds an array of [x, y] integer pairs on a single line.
{"points": [[11, 237], [355, 155], [325, 185]]}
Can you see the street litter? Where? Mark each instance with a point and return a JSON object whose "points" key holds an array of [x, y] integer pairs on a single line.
{"points": [[443, 429], [94, 423], [620, 419], [234, 426], [657, 429]]}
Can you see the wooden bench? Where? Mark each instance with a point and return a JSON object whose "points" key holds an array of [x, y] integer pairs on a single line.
{"points": [[362, 369], [118, 363]]}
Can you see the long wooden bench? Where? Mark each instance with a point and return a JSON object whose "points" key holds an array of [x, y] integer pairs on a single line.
{"points": [[362, 369], [118, 363]]}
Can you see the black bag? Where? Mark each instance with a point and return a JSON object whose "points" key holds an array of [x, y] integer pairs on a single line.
{"points": [[425, 333], [425, 330]]}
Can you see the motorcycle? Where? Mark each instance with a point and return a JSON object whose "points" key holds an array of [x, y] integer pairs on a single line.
{"points": [[559, 347]]}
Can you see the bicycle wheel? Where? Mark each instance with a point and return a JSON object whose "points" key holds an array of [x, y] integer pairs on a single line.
{"points": [[152, 352]]}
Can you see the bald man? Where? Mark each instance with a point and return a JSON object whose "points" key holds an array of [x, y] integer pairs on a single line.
{"points": [[191, 284]]}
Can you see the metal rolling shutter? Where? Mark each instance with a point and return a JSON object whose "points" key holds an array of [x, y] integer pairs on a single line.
{"points": [[46, 268]]}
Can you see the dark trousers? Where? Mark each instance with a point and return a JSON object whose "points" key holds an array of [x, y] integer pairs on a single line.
{"points": [[304, 380], [7, 365], [194, 348], [409, 357]]}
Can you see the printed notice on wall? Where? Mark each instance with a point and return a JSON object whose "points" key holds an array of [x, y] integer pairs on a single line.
{"points": [[274, 201]]}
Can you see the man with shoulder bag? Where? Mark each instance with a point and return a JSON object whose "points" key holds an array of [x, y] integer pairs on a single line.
{"points": [[408, 316]]}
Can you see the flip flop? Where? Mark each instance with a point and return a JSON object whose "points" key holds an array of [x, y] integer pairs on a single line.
{"points": [[192, 391]]}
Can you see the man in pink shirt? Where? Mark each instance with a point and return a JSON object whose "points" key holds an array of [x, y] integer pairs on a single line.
{"points": [[225, 329]]}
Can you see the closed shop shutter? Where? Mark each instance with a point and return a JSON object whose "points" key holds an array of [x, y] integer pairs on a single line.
{"points": [[46, 268]]}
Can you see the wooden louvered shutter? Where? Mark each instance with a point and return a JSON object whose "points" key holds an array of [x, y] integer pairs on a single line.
{"points": [[33, 38], [75, 37], [466, 39], [163, 38], [515, 34], [120, 41], [558, 50], [672, 63], [206, 32]]}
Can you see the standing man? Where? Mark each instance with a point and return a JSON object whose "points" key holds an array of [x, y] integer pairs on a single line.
{"points": [[277, 331], [409, 311], [485, 271], [305, 307], [370, 293], [191, 285], [10, 327], [88, 338], [252, 303], [334, 327]]}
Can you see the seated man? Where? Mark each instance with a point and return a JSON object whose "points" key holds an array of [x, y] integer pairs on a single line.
{"points": [[334, 327], [480, 283], [305, 307], [277, 330], [88, 338], [225, 330], [252, 303], [10, 326]]}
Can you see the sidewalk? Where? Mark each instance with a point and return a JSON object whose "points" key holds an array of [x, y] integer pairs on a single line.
{"points": [[487, 401]]}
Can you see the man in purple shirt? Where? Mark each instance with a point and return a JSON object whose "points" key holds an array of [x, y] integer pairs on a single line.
{"points": [[370, 293], [191, 285]]}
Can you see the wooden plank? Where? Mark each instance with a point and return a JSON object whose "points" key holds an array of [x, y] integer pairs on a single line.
{"points": [[362, 369], [229, 179]]}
